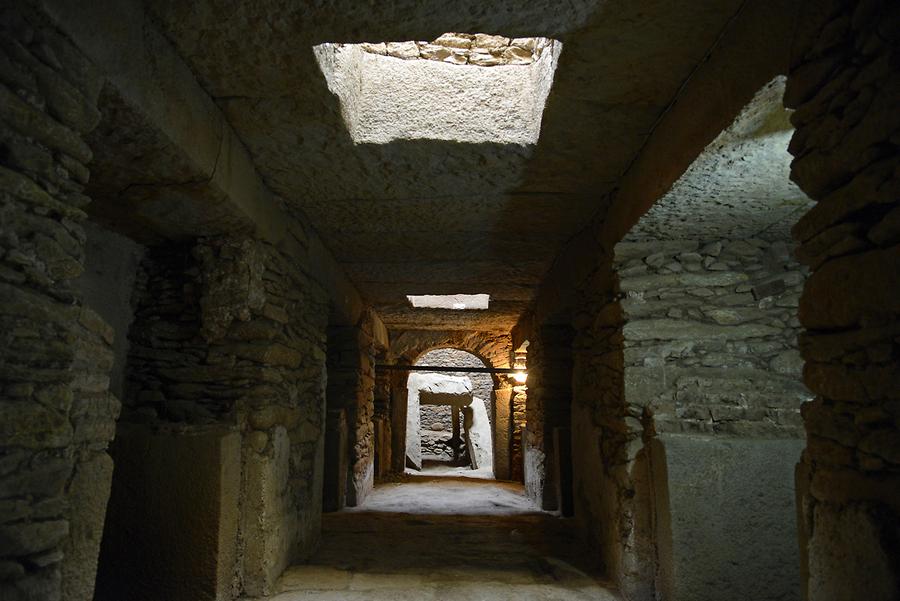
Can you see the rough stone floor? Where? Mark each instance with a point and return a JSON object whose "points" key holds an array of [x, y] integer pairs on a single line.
{"points": [[445, 539], [442, 468]]}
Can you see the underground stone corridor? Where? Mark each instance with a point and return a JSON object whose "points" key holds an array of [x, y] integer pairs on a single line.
{"points": [[445, 538], [415, 300]]}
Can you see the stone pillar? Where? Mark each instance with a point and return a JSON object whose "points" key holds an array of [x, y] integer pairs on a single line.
{"points": [[56, 413], [227, 344], [516, 461], [382, 419], [455, 431], [351, 385], [336, 451], [844, 84], [548, 406], [502, 432], [399, 406]]}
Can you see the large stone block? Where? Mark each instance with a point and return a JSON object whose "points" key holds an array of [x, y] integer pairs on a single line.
{"points": [[88, 496], [413, 427], [156, 543], [267, 523], [478, 436], [850, 556], [441, 389], [732, 515]]}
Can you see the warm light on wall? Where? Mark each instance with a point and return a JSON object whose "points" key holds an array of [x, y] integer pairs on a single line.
{"points": [[521, 354]]}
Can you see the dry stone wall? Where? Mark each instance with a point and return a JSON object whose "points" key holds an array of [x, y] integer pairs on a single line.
{"points": [[710, 335], [436, 431], [478, 49], [844, 84], [56, 413], [230, 332], [382, 397], [686, 350], [712, 381], [518, 402]]}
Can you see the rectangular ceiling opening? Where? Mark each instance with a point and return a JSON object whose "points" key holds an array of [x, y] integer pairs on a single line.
{"points": [[456, 302], [460, 87]]}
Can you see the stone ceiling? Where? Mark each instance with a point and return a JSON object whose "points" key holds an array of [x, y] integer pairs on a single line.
{"points": [[440, 217], [739, 187]]}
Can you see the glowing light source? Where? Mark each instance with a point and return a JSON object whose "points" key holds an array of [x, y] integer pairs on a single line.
{"points": [[458, 302], [520, 377], [444, 90]]}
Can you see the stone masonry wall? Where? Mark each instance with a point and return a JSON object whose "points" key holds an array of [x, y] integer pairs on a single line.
{"points": [[844, 84], [382, 398], [710, 335], [711, 365], [478, 49], [683, 343], [518, 401], [56, 413], [232, 333]]}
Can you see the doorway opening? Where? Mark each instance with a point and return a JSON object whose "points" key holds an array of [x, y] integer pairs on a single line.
{"points": [[449, 423]]}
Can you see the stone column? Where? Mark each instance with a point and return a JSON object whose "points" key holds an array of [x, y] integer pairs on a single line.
{"points": [[518, 407], [351, 384], [548, 406], [502, 432], [844, 84], [382, 419], [399, 406], [56, 413]]}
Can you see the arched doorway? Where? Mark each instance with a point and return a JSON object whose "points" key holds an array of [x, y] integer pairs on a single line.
{"points": [[449, 416]]}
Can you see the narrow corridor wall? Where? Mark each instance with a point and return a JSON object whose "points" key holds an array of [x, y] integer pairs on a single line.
{"points": [[57, 414], [844, 84]]}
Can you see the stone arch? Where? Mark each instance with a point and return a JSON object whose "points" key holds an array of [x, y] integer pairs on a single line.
{"points": [[451, 434], [491, 348]]}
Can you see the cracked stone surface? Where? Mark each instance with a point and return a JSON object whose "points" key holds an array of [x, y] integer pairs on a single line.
{"points": [[502, 550], [432, 216]]}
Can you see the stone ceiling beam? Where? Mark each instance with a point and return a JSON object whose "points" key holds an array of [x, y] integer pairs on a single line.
{"points": [[154, 81]]}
